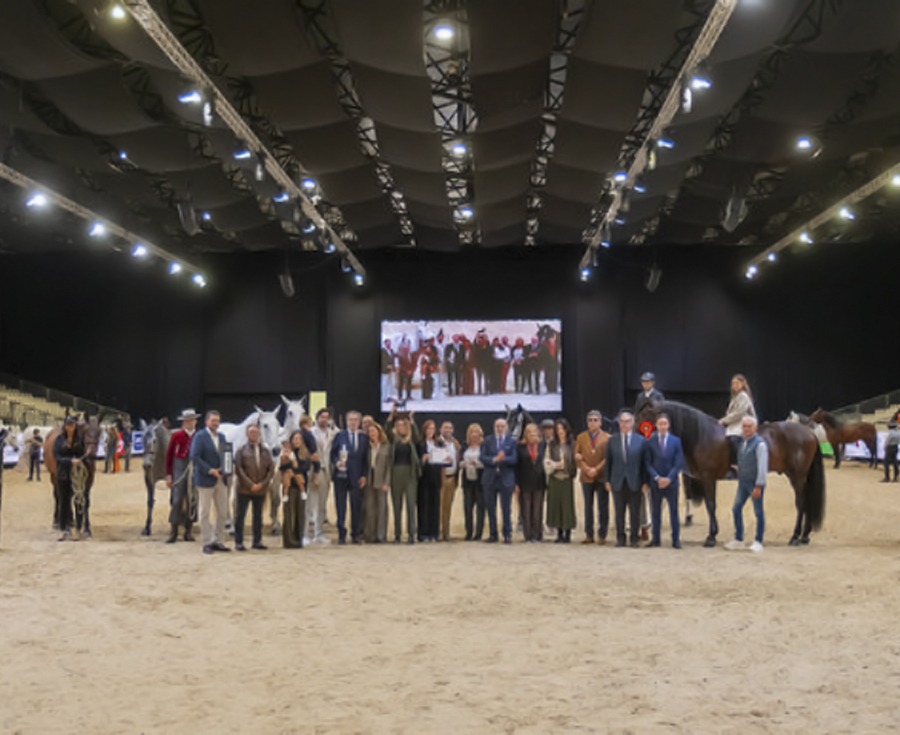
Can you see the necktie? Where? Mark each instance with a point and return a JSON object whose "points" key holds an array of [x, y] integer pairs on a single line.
{"points": [[662, 444], [256, 452], [354, 441], [625, 446]]}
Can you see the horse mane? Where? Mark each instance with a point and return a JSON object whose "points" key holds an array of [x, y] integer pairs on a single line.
{"points": [[830, 420], [690, 424]]}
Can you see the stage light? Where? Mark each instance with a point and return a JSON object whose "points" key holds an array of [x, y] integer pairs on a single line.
{"points": [[123, 156], [98, 229], [585, 274], [209, 112], [809, 145], [139, 251], [199, 280], [175, 267], [806, 238], [309, 184], [309, 227], [330, 248], [687, 100], [117, 12], [751, 272], [621, 177], [358, 279], [804, 144], [605, 243], [281, 198], [260, 170], [444, 32], [619, 221], [190, 98], [37, 199], [243, 155], [639, 189], [595, 260], [459, 150], [845, 213], [771, 257], [665, 143], [896, 180], [207, 216], [466, 213]]}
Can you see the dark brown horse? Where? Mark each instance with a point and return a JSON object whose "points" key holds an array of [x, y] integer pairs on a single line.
{"points": [[793, 451], [839, 434], [90, 434]]}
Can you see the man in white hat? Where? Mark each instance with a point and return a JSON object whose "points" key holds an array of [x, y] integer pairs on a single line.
{"points": [[178, 476]]}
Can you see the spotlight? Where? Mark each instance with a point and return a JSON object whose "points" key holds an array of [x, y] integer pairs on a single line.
{"points": [[810, 145], [752, 271], [896, 180], [243, 155], [444, 32], [199, 280], [309, 184], [605, 243], [585, 274], [459, 150], [621, 177], [190, 98], [207, 216], [330, 248], [37, 200], [638, 189], [281, 198], [309, 227], [345, 265], [209, 112], [666, 143], [139, 251], [117, 12], [687, 100], [806, 238], [123, 156], [749, 275], [175, 267], [845, 213], [771, 257], [358, 279], [98, 229], [804, 144], [466, 213], [260, 171], [700, 81]]}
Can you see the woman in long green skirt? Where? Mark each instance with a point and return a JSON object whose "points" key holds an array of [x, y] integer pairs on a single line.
{"points": [[559, 464]]}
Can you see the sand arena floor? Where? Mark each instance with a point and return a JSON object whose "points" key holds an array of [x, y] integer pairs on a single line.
{"points": [[124, 634]]}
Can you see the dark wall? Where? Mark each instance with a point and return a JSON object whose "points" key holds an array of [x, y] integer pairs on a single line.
{"points": [[816, 328]]}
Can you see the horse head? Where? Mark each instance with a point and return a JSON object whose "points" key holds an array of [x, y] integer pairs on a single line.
{"points": [[269, 428], [293, 412]]}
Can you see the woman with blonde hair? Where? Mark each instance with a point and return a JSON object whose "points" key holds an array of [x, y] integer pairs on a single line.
{"points": [[739, 407], [405, 469], [473, 493], [378, 486], [531, 482]]}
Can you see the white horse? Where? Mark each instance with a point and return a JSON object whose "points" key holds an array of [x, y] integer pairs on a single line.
{"points": [[293, 412]]}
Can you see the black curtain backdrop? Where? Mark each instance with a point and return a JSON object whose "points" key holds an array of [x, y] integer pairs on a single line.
{"points": [[818, 328]]}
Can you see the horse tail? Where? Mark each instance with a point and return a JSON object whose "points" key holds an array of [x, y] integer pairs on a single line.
{"points": [[814, 493]]}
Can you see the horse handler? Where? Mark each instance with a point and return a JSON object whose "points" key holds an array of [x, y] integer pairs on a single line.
{"points": [[752, 468], [179, 477]]}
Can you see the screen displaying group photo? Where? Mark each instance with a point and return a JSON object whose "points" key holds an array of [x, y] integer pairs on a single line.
{"points": [[468, 366]]}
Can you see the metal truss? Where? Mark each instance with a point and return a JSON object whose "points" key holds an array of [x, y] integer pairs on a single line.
{"points": [[447, 65], [571, 16], [169, 44], [664, 95], [320, 29]]}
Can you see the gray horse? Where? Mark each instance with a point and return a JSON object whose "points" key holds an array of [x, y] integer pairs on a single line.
{"points": [[156, 442]]}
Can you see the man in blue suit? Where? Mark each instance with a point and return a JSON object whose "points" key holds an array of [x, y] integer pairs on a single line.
{"points": [[498, 455], [207, 450], [626, 473], [349, 459], [665, 460]]}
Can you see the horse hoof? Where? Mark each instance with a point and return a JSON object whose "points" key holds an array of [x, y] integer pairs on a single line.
{"points": [[710, 542], [689, 521], [145, 531], [805, 541], [794, 541]]}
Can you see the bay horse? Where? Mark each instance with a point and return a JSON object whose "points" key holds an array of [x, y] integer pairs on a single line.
{"points": [[793, 451], [90, 433], [839, 434]]}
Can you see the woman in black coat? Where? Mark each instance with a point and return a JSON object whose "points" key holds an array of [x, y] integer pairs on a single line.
{"points": [[531, 482]]}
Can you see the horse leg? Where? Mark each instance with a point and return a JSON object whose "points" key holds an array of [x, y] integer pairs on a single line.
{"points": [[151, 486], [838, 451], [711, 510], [55, 486]]}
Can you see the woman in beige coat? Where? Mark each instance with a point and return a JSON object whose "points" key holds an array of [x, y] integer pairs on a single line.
{"points": [[378, 486]]}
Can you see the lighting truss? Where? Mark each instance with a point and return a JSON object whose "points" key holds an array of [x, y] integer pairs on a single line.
{"points": [[63, 202], [644, 135], [570, 18], [144, 14], [829, 214], [447, 65], [320, 29]]}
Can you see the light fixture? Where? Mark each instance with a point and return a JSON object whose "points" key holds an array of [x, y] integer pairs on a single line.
{"points": [[687, 100], [358, 279], [804, 144], [896, 180], [771, 257], [330, 248], [809, 145], [444, 32], [139, 251], [243, 154], [281, 198], [700, 81], [209, 111], [529, 240], [260, 170], [190, 98], [845, 213], [309, 227], [117, 12], [207, 216], [38, 199], [666, 143], [123, 156], [621, 177], [605, 243], [638, 189], [199, 280], [806, 238], [751, 272], [459, 150], [466, 213], [585, 274], [308, 184], [595, 260], [175, 267], [98, 229]]}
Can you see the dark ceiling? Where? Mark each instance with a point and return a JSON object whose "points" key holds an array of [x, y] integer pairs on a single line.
{"points": [[77, 88]]}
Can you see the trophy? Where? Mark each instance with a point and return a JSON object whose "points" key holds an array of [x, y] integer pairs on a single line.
{"points": [[227, 458], [343, 454]]}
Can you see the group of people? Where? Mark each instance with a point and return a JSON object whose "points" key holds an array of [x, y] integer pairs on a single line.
{"points": [[481, 366], [412, 473]]}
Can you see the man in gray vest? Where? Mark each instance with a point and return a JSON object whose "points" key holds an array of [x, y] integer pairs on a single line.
{"points": [[752, 468]]}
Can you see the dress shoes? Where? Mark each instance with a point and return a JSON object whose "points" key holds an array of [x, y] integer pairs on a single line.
{"points": [[240, 547], [219, 546], [490, 540], [620, 544], [601, 542], [653, 544], [208, 549], [635, 545], [588, 540], [259, 547], [645, 534], [188, 536], [676, 544]]}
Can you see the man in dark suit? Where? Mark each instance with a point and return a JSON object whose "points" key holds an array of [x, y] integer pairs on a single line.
{"points": [[349, 459], [649, 393], [626, 473], [207, 455], [665, 460], [498, 455]]}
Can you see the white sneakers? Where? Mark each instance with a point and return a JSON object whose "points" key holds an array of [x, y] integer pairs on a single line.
{"points": [[734, 545], [321, 540]]}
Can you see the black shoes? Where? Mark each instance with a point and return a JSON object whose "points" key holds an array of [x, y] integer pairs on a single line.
{"points": [[188, 536], [146, 530], [219, 546], [173, 537], [676, 544], [240, 547], [207, 549], [260, 547]]}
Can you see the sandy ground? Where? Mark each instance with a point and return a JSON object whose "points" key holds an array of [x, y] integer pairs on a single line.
{"points": [[124, 634]]}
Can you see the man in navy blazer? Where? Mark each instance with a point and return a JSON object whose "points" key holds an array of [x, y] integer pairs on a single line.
{"points": [[499, 457], [665, 460], [349, 460], [207, 448], [626, 476]]}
